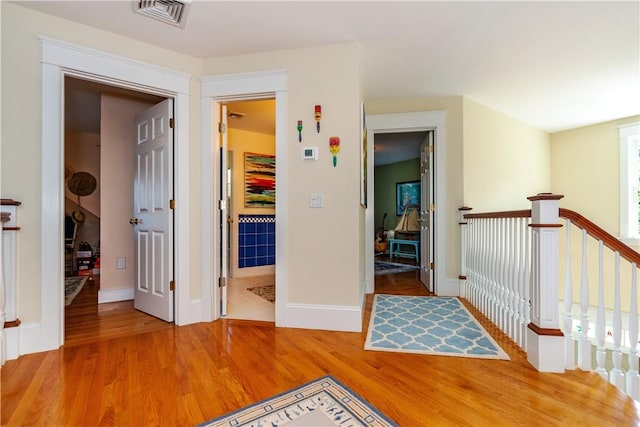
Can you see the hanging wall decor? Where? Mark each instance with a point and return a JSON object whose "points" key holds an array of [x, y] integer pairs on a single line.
{"points": [[299, 130], [259, 180], [318, 116], [334, 147]]}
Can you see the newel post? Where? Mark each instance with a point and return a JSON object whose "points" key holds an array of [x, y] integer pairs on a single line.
{"points": [[464, 243], [545, 340]]}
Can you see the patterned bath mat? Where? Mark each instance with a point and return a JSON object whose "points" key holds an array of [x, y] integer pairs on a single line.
{"points": [[323, 402], [267, 292], [385, 267], [428, 325]]}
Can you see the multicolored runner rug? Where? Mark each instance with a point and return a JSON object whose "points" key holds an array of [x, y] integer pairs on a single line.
{"points": [[428, 325], [267, 292], [386, 267], [323, 402]]}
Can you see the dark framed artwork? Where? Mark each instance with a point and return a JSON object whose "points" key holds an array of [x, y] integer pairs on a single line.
{"points": [[407, 193]]}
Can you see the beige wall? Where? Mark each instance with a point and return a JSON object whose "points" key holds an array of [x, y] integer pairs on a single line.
{"points": [[21, 130], [323, 246], [239, 142], [118, 134], [585, 167], [505, 160]]}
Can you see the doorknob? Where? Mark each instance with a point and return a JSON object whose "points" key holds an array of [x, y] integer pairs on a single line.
{"points": [[135, 221]]}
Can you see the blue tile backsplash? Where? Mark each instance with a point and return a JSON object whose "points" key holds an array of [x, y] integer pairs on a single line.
{"points": [[256, 240]]}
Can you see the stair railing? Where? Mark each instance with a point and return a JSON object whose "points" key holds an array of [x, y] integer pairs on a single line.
{"points": [[506, 266]]}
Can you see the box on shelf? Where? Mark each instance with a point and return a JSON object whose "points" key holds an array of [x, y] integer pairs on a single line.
{"points": [[83, 254]]}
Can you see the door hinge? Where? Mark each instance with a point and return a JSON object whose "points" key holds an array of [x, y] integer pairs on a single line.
{"points": [[222, 128], [222, 205], [432, 207], [222, 282], [172, 204], [433, 266], [172, 123], [431, 149], [172, 285]]}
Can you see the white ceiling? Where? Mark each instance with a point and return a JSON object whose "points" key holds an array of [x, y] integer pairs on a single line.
{"points": [[554, 65]]}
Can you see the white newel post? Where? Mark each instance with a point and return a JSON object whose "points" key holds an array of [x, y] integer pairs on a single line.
{"points": [[464, 242], [545, 340], [4, 217]]}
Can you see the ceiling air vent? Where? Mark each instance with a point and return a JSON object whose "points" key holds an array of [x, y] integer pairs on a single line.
{"points": [[172, 12]]}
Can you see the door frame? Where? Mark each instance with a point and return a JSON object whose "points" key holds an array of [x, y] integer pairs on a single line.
{"points": [[415, 122], [237, 87], [60, 59]]}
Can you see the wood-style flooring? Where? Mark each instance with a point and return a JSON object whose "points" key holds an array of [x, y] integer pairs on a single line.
{"points": [[156, 374]]}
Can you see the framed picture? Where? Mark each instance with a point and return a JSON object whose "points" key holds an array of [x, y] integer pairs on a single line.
{"points": [[259, 180], [363, 158], [407, 193]]}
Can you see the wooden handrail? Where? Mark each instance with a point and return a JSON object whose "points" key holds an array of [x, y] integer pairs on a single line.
{"points": [[579, 221], [598, 233], [506, 214]]}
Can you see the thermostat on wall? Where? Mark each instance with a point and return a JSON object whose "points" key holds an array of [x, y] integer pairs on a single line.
{"points": [[309, 153]]}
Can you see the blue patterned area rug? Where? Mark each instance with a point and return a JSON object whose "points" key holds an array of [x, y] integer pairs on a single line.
{"points": [[323, 402], [428, 325]]}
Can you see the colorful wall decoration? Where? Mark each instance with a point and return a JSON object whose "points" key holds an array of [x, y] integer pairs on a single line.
{"points": [[259, 180]]}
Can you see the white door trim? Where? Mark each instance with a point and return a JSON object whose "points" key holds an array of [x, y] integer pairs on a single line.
{"points": [[415, 122], [267, 84], [60, 59]]}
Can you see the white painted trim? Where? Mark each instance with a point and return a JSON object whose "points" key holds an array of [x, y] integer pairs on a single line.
{"points": [[30, 338], [60, 59], [421, 121], [12, 336], [113, 68], [628, 143], [114, 295], [214, 90], [325, 317]]}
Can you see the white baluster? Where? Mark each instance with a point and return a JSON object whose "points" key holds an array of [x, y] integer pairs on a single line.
{"points": [[513, 281], [494, 272], [584, 344], [502, 262], [570, 356], [616, 377], [601, 333], [633, 378], [526, 283]]}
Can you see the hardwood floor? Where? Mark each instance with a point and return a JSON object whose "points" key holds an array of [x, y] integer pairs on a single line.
{"points": [[186, 375]]}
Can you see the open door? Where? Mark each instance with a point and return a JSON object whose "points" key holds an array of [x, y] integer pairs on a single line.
{"points": [[224, 209], [426, 211], [153, 214]]}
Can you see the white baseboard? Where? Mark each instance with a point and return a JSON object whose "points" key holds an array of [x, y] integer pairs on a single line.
{"points": [[30, 339], [114, 295], [326, 317], [451, 288], [193, 315], [12, 342]]}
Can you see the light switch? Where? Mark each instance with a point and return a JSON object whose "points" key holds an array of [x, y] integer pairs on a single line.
{"points": [[316, 200], [121, 263]]}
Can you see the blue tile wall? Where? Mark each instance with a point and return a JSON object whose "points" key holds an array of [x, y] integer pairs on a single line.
{"points": [[256, 240]]}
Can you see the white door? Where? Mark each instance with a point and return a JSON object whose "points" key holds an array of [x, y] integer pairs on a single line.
{"points": [[153, 215], [224, 213], [426, 211]]}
